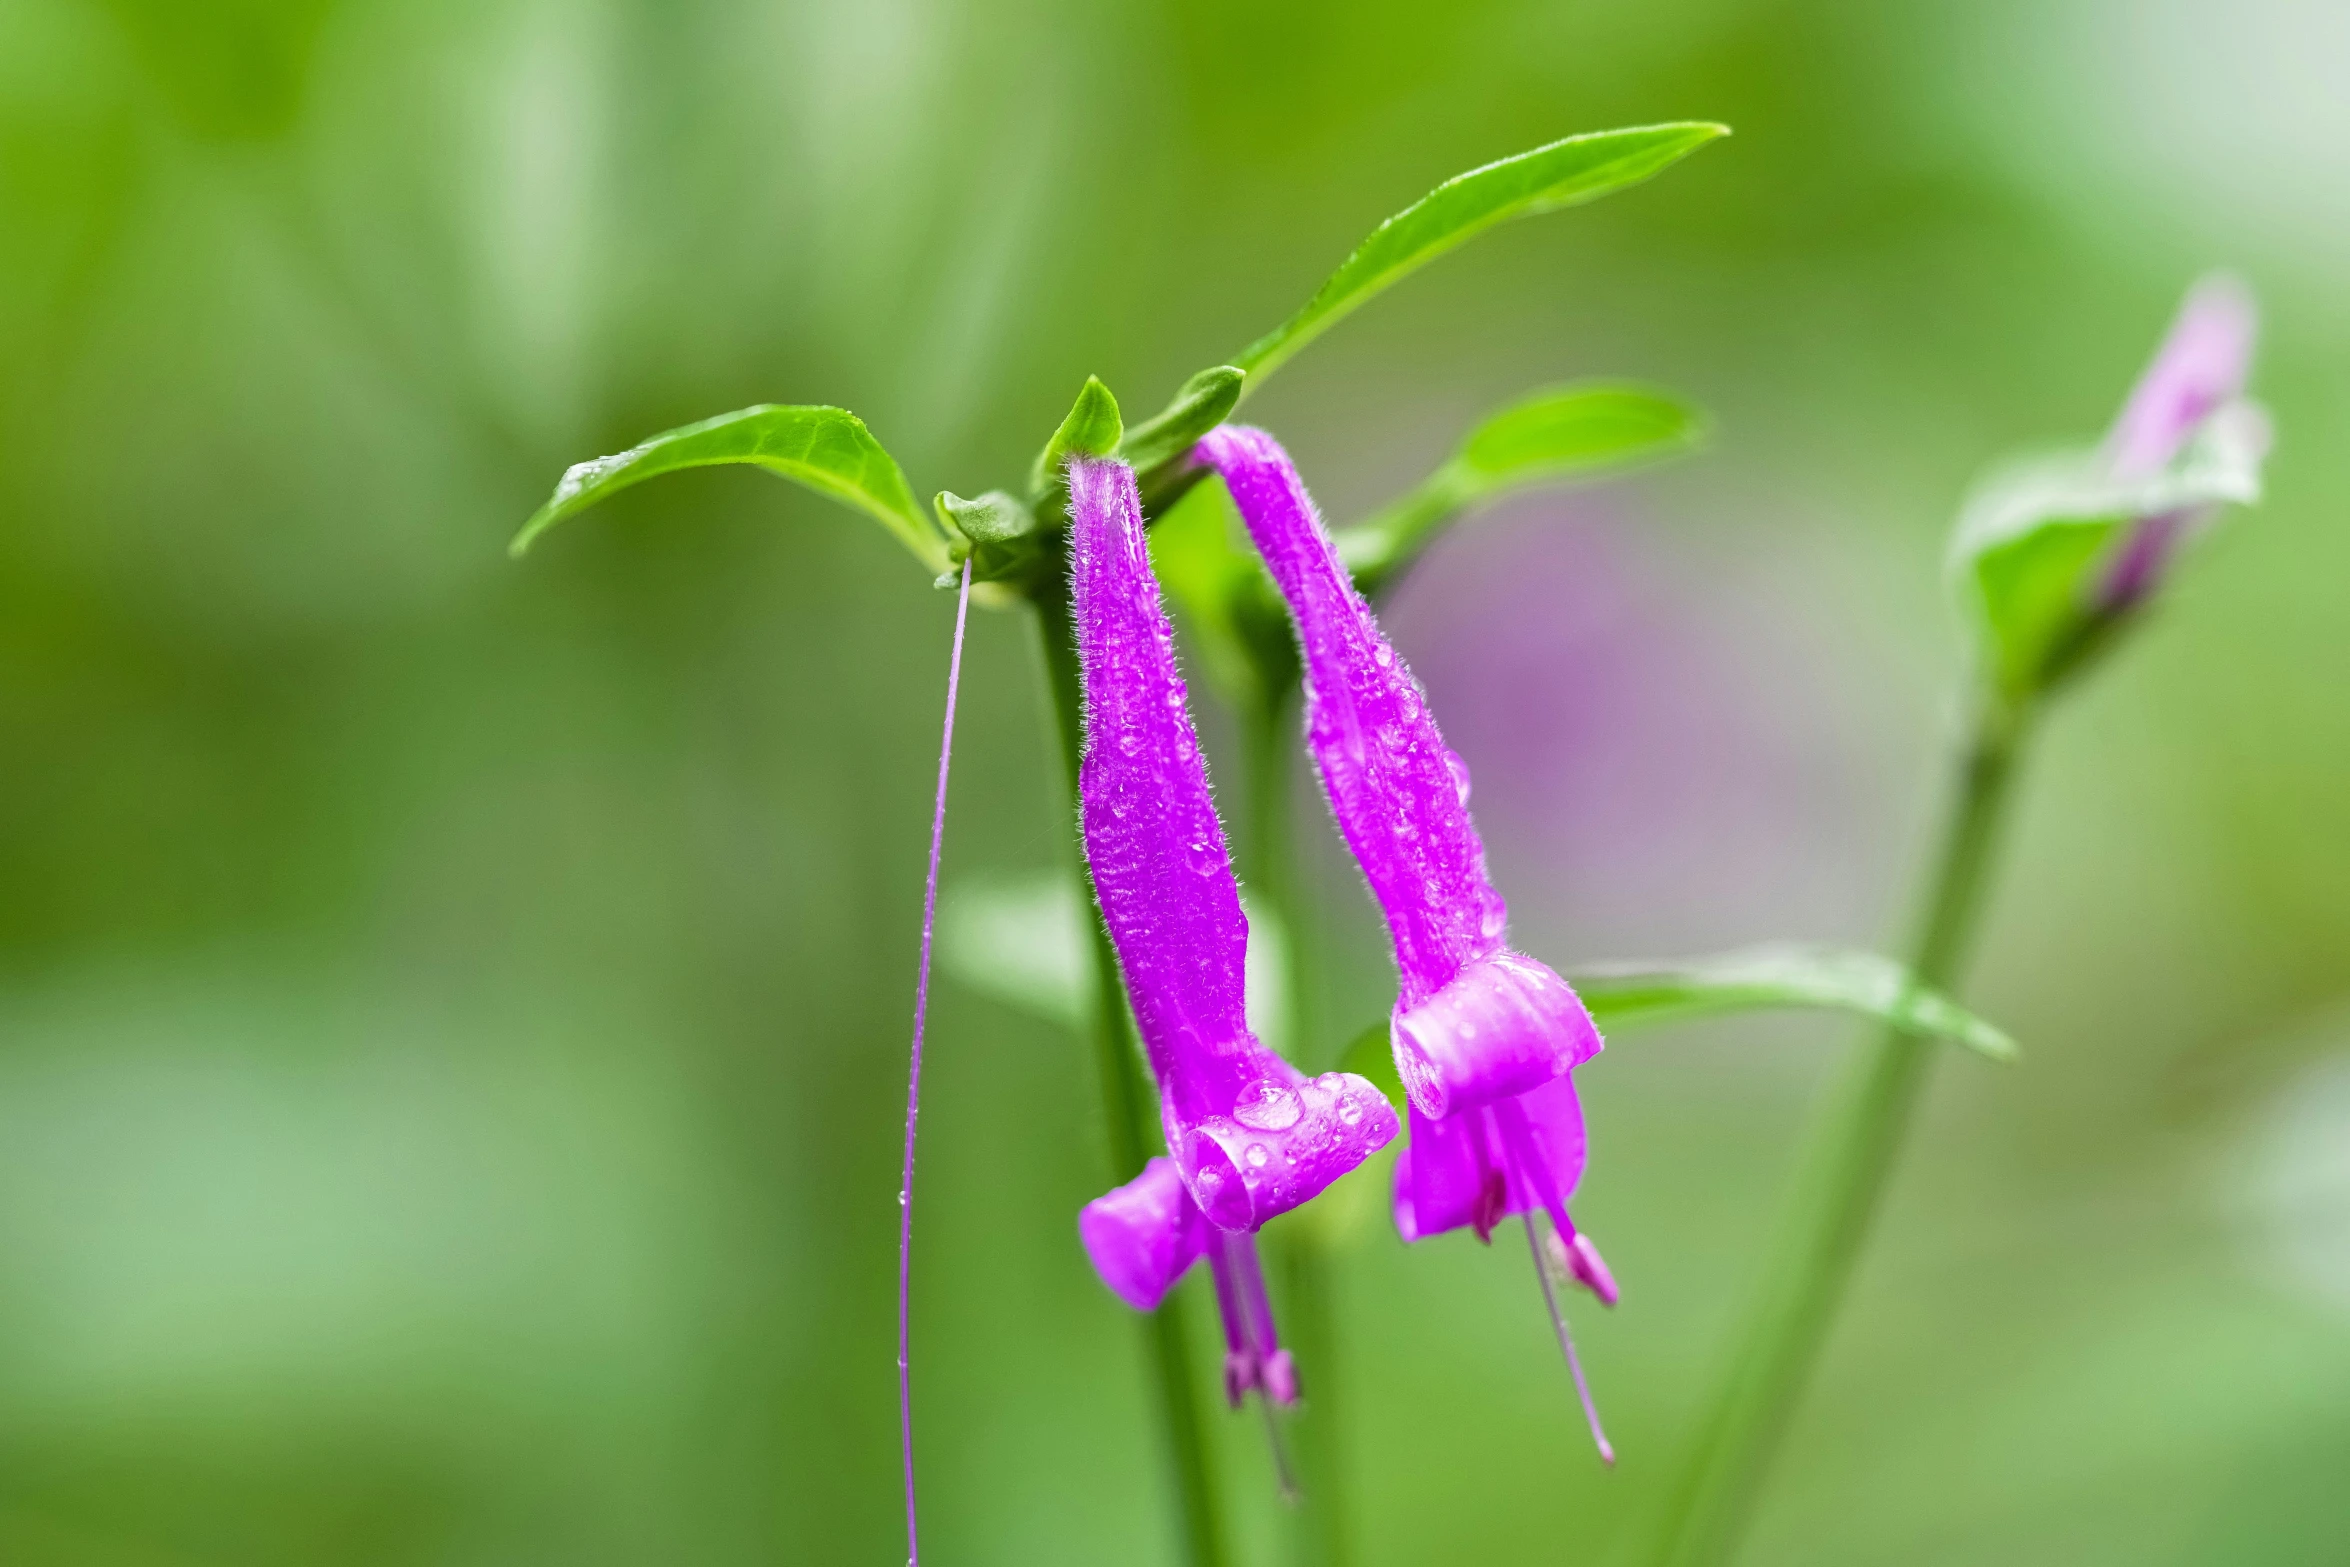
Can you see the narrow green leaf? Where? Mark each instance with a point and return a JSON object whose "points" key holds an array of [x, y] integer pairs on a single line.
{"points": [[1624, 996], [1565, 432], [827, 449], [2034, 538], [1200, 406], [1628, 995], [1559, 434], [1091, 429], [1562, 174]]}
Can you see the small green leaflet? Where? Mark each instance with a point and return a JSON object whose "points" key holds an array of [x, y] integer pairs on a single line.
{"points": [[1091, 428], [1555, 435], [1562, 174], [1627, 996], [2034, 536], [1198, 407], [827, 449]]}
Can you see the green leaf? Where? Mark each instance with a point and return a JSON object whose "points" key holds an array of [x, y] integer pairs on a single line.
{"points": [[1200, 406], [1624, 996], [1566, 432], [1563, 174], [1091, 429], [2034, 539], [1559, 434], [1630, 995], [827, 449]]}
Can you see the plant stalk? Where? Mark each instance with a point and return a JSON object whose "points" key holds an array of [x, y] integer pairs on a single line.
{"points": [[1840, 1181], [1317, 1526], [1126, 1112]]}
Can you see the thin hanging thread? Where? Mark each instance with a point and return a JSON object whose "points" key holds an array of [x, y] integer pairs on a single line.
{"points": [[938, 828]]}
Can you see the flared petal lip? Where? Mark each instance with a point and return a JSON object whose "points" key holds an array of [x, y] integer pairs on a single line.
{"points": [[1142, 1237], [1286, 1139]]}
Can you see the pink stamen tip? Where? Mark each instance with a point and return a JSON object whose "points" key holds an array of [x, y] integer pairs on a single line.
{"points": [[1576, 1258], [1240, 1374], [938, 829], [1279, 1378]]}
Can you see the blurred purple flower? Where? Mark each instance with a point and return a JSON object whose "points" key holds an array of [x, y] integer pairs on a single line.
{"points": [[2200, 369], [1249, 1136], [1484, 1037]]}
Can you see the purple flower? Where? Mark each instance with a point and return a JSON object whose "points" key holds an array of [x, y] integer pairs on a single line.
{"points": [[1144, 1236], [1248, 1135], [1484, 1036], [2199, 370]]}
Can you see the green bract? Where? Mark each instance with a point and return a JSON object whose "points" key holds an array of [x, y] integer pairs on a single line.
{"points": [[1563, 174], [1198, 407], [1090, 429], [827, 449], [2034, 538], [1555, 435]]}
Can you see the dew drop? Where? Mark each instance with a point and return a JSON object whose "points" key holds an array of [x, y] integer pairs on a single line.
{"points": [[1460, 774], [1267, 1106], [1258, 1156], [1383, 653], [1493, 914]]}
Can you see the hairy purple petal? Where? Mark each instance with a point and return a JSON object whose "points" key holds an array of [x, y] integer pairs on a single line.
{"points": [[2202, 364], [1474, 1022], [1144, 1236], [1250, 1135]]}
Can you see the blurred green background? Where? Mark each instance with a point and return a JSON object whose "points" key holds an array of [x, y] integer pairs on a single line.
{"points": [[453, 1013]]}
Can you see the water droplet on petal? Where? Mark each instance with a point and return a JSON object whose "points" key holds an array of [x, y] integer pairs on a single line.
{"points": [[1258, 1156], [1267, 1106], [1460, 774]]}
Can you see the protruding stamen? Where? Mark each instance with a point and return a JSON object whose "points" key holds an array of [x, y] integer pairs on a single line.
{"points": [[1558, 1322], [1577, 1259], [1253, 1356]]}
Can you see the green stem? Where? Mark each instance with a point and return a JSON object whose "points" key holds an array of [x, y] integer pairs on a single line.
{"points": [[1318, 1524], [1126, 1111], [1840, 1181]]}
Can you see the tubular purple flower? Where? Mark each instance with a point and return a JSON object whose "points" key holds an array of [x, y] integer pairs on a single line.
{"points": [[1484, 1036], [2197, 374], [1144, 1236], [1248, 1135]]}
